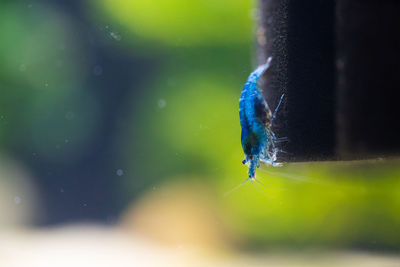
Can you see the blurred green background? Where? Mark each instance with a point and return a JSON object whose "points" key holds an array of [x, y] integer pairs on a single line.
{"points": [[105, 101]]}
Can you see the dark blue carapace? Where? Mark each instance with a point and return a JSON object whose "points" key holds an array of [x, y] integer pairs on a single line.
{"points": [[258, 139]]}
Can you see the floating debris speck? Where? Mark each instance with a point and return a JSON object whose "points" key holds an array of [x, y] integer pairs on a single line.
{"points": [[97, 70], [161, 103], [115, 36], [17, 200]]}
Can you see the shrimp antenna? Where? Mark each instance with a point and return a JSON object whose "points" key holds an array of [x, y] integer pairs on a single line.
{"points": [[235, 188], [277, 107], [252, 181], [258, 189], [258, 181]]}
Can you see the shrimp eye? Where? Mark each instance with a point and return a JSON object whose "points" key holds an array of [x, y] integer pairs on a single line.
{"points": [[244, 161]]}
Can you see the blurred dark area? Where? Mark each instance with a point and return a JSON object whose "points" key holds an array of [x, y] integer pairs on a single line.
{"points": [[368, 81], [337, 62], [86, 188]]}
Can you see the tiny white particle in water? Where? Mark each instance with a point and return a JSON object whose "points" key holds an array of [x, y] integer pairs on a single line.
{"points": [[178, 42], [84, 204], [59, 63], [69, 115], [119, 172], [22, 67], [62, 190], [161, 103], [171, 82], [46, 84], [115, 36], [30, 6], [203, 127], [17, 200], [254, 14], [97, 70], [66, 141]]}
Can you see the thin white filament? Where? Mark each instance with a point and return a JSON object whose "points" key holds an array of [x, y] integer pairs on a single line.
{"points": [[258, 189], [252, 181], [258, 181], [235, 188], [293, 177]]}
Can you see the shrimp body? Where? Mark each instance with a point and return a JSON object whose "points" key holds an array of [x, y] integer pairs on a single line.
{"points": [[258, 139]]}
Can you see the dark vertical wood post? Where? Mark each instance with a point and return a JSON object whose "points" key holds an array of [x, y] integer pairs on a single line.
{"points": [[368, 64], [299, 35], [338, 63]]}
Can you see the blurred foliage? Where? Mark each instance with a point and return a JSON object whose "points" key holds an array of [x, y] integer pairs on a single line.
{"points": [[41, 81], [324, 204], [184, 23]]}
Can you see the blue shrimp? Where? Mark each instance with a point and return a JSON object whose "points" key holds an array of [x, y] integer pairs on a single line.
{"points": [[258, 140]]}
